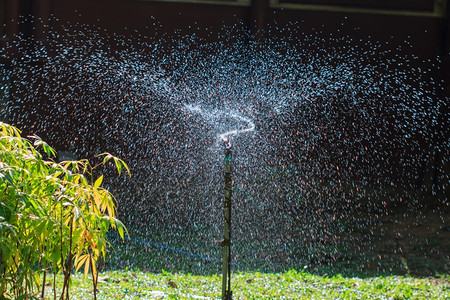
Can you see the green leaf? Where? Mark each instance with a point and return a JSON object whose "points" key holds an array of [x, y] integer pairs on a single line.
{"points": [[118, 165], [8, 177], [120, 230], [98, 182], [107, 157], [47, 149], [122, 163], [40, 228], [117, 161], [77, 212]]}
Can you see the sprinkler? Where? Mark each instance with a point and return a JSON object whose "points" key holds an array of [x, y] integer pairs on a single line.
{"points": [[226, 243]]}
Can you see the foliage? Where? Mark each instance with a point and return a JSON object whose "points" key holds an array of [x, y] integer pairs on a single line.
{"points": [[53, 216], [127, 284]]}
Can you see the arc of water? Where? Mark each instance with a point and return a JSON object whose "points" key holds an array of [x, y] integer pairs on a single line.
{"points": [[250, 127], [225, 137]]}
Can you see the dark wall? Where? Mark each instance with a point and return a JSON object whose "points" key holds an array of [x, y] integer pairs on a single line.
{"points": [[421, 5], [383, 20], [426, 34], [121, 16]]}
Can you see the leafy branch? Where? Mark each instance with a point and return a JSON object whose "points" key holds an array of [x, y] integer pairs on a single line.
{"points": [[53, 216]]}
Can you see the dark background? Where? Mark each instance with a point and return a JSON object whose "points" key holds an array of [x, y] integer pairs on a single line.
{"points": [[425, 21], [423, 24]]}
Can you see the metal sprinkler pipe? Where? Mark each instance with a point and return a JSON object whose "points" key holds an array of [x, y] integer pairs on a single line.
{"points": [[226, 243]]}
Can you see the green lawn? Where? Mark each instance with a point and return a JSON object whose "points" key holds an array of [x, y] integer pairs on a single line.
{"points": [[135, 270], [128, 284]]}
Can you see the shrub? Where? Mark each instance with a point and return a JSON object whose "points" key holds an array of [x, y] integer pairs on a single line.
{"points": [[53, 216]]}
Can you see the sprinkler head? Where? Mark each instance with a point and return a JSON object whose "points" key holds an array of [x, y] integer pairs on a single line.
{"points": [[227, 143]]}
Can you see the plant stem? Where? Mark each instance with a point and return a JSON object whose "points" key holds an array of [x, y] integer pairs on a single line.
{"points": [[61, 250], [43, 281], [94, 281], [96, 277], [54, 284], [68, 263]]}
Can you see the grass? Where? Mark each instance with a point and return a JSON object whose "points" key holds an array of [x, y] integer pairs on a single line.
{"points": [[139, 270], [129, 284]]}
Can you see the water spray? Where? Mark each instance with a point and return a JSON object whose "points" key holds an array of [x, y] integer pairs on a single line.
{"points": [[226, 243], [226, 138]]}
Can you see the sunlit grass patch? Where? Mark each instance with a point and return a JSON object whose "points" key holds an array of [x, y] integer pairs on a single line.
{"points": [[130, 284]]}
